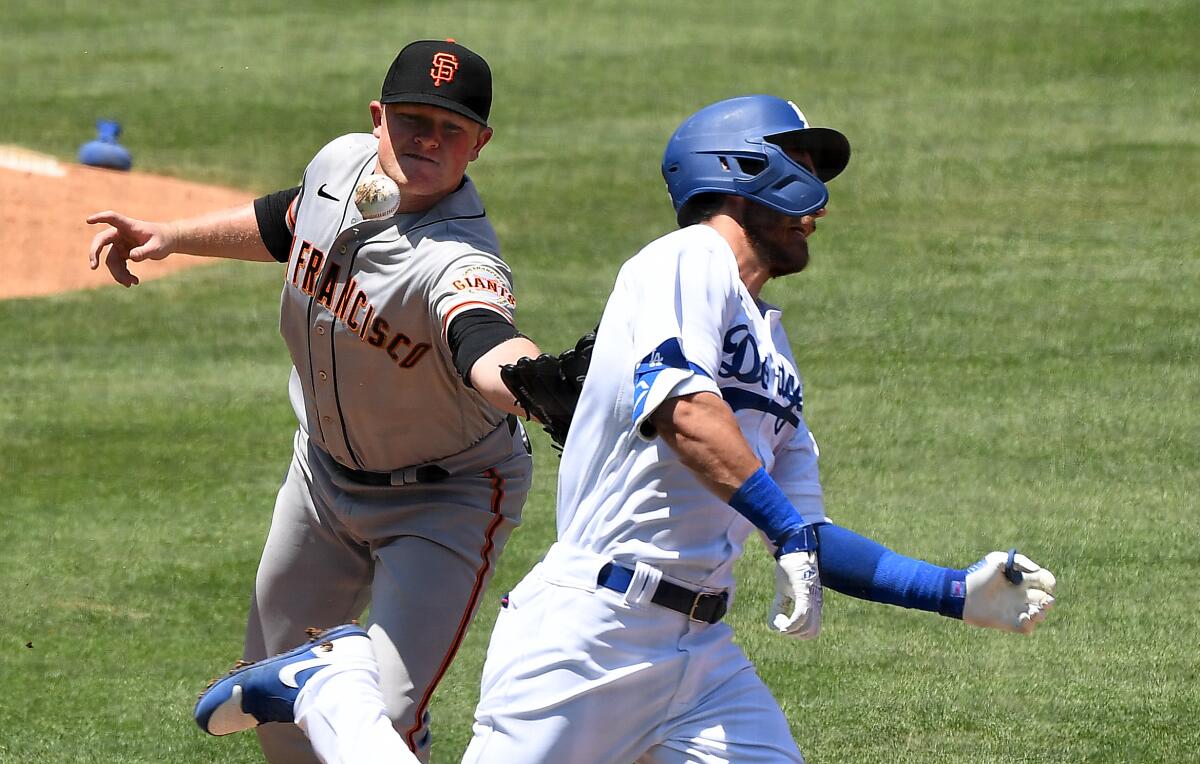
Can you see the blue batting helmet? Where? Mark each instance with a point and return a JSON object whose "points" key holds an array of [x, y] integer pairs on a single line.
{"points": [[737, 146]]}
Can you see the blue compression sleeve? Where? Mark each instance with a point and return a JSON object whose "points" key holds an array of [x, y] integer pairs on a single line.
{"points": [[857, 566], [762, 502]]}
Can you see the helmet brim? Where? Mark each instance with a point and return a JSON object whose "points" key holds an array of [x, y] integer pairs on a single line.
{"points": [[829, 149]]}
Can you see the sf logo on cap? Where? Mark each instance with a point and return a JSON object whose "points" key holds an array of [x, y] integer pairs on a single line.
{"points": [[444, 67]]}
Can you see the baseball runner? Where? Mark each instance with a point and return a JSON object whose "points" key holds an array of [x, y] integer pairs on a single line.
{"points": [[689, 435], [409, 469]]}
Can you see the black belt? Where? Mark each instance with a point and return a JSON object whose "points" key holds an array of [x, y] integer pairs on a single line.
{"points": [[426, 473], [705, 607]]}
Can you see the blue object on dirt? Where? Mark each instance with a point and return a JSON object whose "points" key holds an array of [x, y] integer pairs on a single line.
{"points": [[105, 151]]}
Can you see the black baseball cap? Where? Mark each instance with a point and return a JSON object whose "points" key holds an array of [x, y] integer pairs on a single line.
{"points": [[441, 73]]}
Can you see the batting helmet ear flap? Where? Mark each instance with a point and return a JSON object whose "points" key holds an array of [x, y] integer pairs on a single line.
{"points": [[785, 185], [764, 174]]}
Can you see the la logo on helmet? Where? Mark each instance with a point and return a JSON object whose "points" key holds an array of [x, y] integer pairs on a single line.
{"points": [[800, 114]]}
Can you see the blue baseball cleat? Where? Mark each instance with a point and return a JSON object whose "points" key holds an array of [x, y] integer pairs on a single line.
{"points": [[266, 690]]}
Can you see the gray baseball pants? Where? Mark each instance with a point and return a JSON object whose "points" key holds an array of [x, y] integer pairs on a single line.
{"points": [[419, 554]]}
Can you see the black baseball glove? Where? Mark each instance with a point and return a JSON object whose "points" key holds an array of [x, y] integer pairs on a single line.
{"points": [[547, 387]]}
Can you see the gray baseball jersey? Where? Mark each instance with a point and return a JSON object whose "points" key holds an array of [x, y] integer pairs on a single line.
{"points": [[365, 310]]}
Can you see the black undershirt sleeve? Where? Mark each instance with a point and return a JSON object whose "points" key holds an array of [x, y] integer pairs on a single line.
{"points": [[472, 334], [271, 213]]}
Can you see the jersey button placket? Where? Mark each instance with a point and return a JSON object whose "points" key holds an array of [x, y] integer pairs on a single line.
{"points": [[325, 399]]}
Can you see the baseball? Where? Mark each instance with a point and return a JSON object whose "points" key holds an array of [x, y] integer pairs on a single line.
{"points": [[377, 196]]}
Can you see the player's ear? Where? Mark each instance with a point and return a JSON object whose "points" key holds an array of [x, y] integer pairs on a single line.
{"points": [[376, 117], [485, 135]]}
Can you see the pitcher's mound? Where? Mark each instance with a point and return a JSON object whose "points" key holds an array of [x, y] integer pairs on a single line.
{"points": [[43, 204]]}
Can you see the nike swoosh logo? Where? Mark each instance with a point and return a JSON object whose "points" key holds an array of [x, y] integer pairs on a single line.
{"points": [[321, 192], [288, 673]]}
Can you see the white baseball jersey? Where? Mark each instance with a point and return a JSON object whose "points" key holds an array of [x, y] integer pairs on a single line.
{"points": [[568, 657], [365, 309], [680, 321]]}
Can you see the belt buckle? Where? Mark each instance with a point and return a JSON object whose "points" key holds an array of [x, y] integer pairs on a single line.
{"points": [[696, 603], [422, 473]]}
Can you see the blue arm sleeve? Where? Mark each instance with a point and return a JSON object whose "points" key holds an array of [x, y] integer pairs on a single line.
{"points": [[857, 566]]}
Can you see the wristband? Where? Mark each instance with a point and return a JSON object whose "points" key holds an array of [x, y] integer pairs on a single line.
{"points": [[761, 501], [803, 539]]}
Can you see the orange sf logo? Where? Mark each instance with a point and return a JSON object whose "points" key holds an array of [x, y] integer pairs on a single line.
{"points": [[444, 67]]}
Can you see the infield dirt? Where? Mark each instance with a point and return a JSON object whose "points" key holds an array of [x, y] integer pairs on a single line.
{"points": [[43, 206]]}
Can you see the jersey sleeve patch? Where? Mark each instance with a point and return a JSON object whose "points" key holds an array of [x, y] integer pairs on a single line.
{"points": [[663, 374], [483, 282], [475, 283]]}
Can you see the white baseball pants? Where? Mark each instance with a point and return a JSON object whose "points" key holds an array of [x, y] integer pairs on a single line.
{"points": [[577, 673]]}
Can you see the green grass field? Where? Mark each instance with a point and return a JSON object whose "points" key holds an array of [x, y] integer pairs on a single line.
{"points": [[1000, 337]]}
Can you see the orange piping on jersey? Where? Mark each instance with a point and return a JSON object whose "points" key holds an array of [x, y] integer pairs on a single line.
{"points": [[480, 578], [291, 214], [454, 311]]}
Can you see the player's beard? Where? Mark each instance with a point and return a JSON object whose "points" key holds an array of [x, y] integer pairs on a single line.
{"points": [[772, 235]]}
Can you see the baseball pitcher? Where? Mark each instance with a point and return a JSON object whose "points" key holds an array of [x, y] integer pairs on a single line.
{"points": [[409, 468]]}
